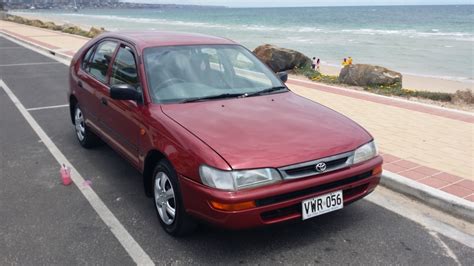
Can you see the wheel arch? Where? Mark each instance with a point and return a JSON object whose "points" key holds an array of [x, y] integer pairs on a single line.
{"points": [[152, 157], [72, 105]]}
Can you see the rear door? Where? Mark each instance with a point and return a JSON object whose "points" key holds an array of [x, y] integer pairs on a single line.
{"points": [[92, 80], [121, 118]]}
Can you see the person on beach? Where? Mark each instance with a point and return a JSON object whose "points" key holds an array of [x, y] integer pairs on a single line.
{"points": [[344, 62], [317, 64], [313, 65], [349, 61]]}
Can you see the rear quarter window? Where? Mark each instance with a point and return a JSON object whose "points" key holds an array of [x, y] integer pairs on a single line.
{"points": [[87, 57]]}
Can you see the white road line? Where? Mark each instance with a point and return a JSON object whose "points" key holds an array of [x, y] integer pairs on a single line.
{"points": [[136, 252], [47, 107], [31, 64], [445, 247]]}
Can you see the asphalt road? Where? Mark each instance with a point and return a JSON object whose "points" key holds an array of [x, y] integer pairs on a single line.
{"points": [[44, 222]]}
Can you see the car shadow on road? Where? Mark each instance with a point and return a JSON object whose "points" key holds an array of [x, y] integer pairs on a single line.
{"points": [[249, 246]]}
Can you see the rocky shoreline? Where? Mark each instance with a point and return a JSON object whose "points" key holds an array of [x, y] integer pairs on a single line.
{"points": [[371, 78]]}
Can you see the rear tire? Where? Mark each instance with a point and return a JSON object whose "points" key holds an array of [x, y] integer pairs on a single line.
{"points": [[86, 138], [168, 201]]}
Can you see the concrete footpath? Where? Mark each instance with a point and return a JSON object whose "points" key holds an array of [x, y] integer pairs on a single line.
{"points": [[428, 150]]}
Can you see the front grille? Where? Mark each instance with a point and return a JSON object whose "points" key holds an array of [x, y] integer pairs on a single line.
{"points": [[312, 190], [306, 169], [311, 168]]}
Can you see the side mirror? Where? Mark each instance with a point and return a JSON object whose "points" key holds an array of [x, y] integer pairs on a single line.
{"points": [[283, 76], [124, 92]]}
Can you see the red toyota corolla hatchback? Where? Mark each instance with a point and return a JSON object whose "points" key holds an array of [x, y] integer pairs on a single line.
{"points": [[217, 135]]}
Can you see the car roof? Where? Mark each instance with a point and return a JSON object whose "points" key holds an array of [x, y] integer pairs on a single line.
{"points": [[144, 39]]}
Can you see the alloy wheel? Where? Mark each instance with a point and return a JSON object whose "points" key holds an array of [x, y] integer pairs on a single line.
{"points": [[79, 124], [165, 201]]}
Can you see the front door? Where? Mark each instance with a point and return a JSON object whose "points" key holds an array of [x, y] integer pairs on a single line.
{"points": [[121, 118]]}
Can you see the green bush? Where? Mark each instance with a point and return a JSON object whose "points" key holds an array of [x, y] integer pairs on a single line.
{"points": [[397, 90], [463, 96], [389, 90], [314, 75], [51, 26]]}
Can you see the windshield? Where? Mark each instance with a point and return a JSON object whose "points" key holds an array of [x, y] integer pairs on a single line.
{"points": [[204, 72]]}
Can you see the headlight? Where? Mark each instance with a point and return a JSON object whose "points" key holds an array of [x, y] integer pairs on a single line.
{"points": [[236, 180], [365, 152]]}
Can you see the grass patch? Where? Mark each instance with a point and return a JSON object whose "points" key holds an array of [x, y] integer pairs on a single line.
{"points": [[397, 90], [314, 75]]}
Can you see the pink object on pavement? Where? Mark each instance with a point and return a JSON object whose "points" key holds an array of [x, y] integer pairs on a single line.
{"points": [[65, 173], [87, 183]]}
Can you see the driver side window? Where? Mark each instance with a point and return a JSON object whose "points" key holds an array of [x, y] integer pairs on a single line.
{"points": [[124, 68]]}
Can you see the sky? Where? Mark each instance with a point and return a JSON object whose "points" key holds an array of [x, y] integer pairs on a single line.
{"points": [[280, 3]]}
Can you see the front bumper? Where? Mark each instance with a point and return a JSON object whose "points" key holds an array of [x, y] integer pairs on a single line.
{"points": [[278, 202]]}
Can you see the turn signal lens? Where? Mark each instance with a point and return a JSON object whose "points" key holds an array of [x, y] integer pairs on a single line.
{"points": [[233, 207], [377, 170]]}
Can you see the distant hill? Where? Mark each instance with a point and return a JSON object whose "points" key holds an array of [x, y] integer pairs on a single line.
{"points": [[81, 4]]}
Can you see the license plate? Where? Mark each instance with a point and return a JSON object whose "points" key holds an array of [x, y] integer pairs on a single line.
{"points": [[322, 204]]}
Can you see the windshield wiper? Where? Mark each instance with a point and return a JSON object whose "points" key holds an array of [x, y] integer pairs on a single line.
{"points": [[213, 97], [233, 95], [272, 89]]}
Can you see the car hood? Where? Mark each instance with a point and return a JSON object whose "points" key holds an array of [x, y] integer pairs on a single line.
{"points": [[269, 131]]}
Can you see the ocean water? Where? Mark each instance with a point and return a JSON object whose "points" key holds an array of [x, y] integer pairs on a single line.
{"points": [[423, 40]]}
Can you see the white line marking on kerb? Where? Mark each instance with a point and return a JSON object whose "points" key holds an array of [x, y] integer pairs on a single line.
{"points": [[36, 48], [47, 107], [433, 220], [445, 247], [138, 255], [31, 64]]}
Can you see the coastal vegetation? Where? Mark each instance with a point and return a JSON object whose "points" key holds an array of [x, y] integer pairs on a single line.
{"points": [[396, 89], [66, 28]]}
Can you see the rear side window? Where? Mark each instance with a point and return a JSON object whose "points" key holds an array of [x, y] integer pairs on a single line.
{"points": [[124, 69], [100, 61], [85, 61]]}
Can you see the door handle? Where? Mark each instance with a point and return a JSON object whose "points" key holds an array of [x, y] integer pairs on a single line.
{"points": [[79, 83], [103, 101]]}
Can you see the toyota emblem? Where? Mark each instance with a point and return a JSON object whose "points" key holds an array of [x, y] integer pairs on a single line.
{"points": [[320, 167]]}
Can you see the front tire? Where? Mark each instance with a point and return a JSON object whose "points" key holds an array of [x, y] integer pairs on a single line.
{"points": [[168, 201], [86, 138]]}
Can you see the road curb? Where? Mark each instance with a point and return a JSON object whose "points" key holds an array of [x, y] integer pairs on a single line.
{"points": [[48, 50], [446, 202]]}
